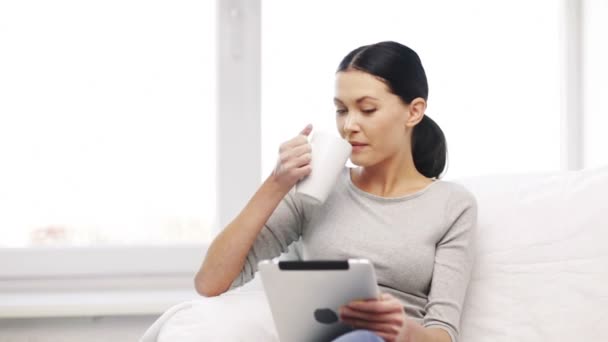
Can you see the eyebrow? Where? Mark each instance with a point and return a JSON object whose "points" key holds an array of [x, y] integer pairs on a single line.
{"points": [[359, 100]]}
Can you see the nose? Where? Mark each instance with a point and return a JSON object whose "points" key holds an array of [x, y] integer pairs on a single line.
{"points": [[350, 124]]}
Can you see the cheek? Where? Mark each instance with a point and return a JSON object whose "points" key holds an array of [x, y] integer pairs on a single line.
{"points": [[392, 137]]}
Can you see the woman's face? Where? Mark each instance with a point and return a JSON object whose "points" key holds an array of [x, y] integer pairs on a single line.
{"points": [[370, 117]]}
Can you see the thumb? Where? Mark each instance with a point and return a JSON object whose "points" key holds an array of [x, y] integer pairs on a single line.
{"points": [[306, 131]]}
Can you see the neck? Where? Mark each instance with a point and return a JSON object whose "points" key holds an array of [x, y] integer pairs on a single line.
{"points": [[391, 178]]}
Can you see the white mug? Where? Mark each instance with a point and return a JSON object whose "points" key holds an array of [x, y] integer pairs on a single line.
{"points": [[329, 155]]}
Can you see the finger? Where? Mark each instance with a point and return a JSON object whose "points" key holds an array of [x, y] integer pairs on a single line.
{"points": [[306, 131], [390, 329], [298, 162], [384, 296], [376, 306], [295, 152], [387, 296], [295, 142], [392, 318], [302, 172]]}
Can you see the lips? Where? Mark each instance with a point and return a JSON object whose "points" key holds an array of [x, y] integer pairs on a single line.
{"points": [[357, 146]]}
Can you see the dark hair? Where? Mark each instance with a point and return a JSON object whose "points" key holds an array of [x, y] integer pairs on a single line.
{"points": [[401, 69]]}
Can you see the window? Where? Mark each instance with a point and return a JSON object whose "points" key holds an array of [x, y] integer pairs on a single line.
{"points": [[595, 71], [107, 122], [494, 86]]}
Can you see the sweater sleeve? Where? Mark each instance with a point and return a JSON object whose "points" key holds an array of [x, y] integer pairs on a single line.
{"points": [[453, 264], [282, 228]]}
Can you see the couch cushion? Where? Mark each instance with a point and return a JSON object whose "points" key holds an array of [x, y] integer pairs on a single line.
{"points": [[232, 317], [541, 271]]}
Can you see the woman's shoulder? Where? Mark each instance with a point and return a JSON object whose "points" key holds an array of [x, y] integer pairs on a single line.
{"points": [[460, 205], [456, 192]]}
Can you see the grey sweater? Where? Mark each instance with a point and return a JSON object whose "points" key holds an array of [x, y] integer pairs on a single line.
{"points": [[419, 244]]}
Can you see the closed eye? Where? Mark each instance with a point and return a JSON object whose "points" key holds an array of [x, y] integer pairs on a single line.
{"points": [[368, 111]]}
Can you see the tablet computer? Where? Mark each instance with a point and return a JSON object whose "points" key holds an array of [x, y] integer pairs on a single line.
{"points": [[305, 296]]}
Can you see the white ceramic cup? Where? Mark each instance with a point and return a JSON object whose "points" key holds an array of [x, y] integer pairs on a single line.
{"points": [[329, 155]]}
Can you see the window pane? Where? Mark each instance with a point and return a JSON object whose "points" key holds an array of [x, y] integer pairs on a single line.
{"points": [[494, 84], [107, 122], [595, 78]]}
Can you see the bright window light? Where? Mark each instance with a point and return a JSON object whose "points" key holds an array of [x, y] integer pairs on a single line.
{"points": [[107, 122], [493, 70], [595, 54]]}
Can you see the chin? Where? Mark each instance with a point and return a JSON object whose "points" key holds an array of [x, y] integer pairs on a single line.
{"points": [[359, 161]]}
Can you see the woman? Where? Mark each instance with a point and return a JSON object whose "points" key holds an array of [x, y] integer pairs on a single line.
{"points": [[391, 209]]}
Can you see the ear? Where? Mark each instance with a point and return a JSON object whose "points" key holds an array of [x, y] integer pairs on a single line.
{"points": [[416, 108]]}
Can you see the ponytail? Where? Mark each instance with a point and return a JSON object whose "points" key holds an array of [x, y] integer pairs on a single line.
{"points": [[429, 148]]}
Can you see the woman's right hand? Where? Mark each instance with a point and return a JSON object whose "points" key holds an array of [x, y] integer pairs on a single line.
{"points": [[294, 159]]}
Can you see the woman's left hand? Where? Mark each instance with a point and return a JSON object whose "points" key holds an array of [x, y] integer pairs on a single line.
{"points": [[384, 316]]}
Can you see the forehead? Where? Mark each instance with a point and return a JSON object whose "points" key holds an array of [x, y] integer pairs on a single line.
{"points": [[353, 84]]}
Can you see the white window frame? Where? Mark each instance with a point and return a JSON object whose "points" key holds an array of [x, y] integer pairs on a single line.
{"points": [[38, 282], [572, 106]]}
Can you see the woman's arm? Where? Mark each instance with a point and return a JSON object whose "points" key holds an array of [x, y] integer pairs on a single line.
{"points": [[386, 318], [453, 265], [227, 254], [414, 332]]}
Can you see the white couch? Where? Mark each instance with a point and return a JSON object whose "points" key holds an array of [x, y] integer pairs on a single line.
{"points": [[541, 271]]}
